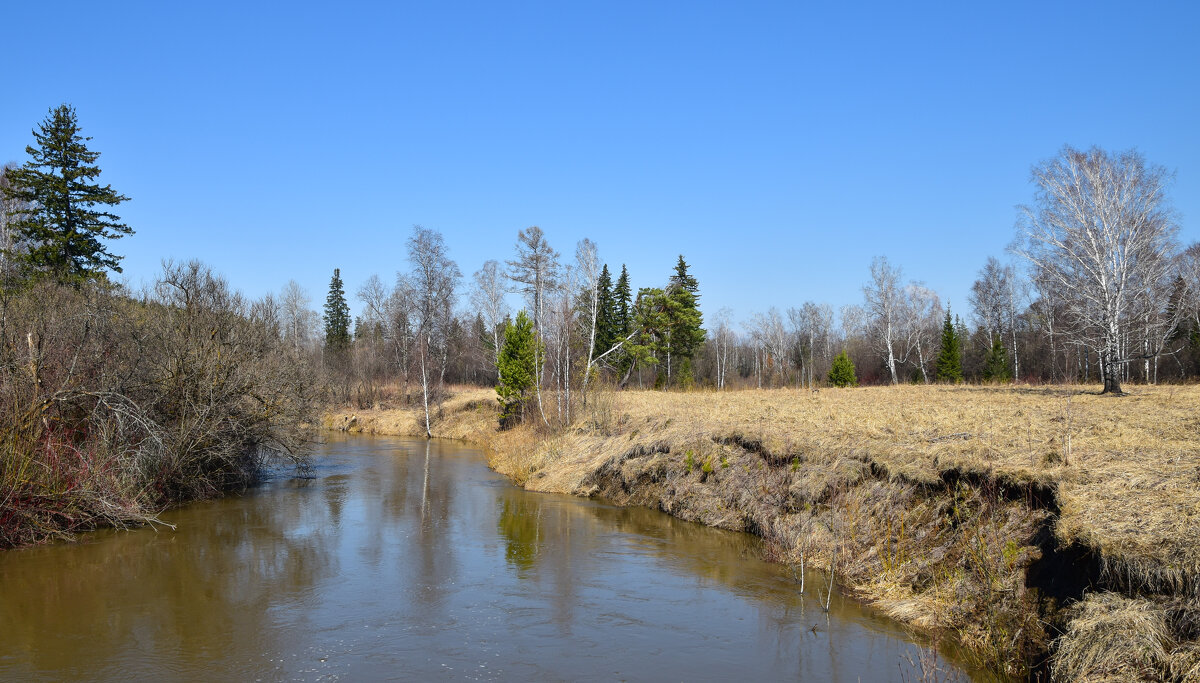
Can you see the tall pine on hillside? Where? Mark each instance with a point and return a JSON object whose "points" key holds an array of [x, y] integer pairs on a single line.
{"points": [[65, 220], [949, 359], [337, 315]]}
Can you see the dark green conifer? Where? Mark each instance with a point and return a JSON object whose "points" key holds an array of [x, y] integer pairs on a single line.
{"points": [[949, 360], [516, 369], [623, 304], [63, 222], [684, 334], [841, 373], [681, 278], [337, 315], [606, 323]]}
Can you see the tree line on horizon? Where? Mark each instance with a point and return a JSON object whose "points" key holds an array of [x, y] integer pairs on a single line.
{"points": [[1107, 294]]}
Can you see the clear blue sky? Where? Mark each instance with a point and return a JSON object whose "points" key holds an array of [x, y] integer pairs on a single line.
{"points": [[779, 146]]}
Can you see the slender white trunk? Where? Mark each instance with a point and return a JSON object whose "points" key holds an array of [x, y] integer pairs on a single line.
{"points": [[425, 392], [891, 355]]}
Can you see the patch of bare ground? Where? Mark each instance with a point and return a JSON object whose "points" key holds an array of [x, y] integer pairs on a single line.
{"points": [[1013, 518]]}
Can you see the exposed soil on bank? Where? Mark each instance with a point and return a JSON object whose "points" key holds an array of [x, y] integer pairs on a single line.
{"points": [[1049, 530]]}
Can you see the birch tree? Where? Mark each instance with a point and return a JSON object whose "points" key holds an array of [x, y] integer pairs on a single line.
{"points": [[812, 323], [487, 296], [393, 310], [769, 334], [434, 278], [299, 322], [1101, 232], [723, 339], [989, 297], [923, 324], [587, 269], [886, 304]]}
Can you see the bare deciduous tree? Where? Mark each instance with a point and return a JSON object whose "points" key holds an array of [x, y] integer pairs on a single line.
{"points": [[1101, 234], [299, 322], [769, 335], [10, 210], [887, 307], [535, 272], [587, 267], [393, 311], [812, 324], [989, 296], [488, 298], [434, 279], [724, 338]]}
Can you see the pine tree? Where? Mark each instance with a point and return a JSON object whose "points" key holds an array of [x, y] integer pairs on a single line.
{"points": [[949, 360], [63, 224], [516, 370], [337, 315], [841, 373], [995, 366]]}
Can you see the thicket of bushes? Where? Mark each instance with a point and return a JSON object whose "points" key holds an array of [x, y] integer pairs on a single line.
{"points": [[116, 405]]}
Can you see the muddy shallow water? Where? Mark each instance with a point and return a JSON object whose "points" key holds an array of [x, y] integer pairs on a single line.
{"points": [[407, 559]]}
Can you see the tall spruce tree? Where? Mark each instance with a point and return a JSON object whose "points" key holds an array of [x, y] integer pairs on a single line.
{"points": [[337, 315], [623, 322], [684, 334], [683, 279], [623, 304], [949, 360], [606, 323], [63, 223]]}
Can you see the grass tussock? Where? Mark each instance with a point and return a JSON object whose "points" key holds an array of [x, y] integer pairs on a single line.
{"points": [[1112, 637], [932, 502]]}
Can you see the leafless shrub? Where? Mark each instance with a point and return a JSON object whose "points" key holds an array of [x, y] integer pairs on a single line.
{"points": [[116, 406]]}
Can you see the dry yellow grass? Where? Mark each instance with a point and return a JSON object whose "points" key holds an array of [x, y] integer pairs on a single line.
{"points": [[914, 492]]}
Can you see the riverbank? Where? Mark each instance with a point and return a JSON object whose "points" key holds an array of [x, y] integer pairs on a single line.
{"points": [[1020, 520]]}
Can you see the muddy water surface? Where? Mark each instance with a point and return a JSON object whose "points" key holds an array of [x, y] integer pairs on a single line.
{"points": [[407, 559]]}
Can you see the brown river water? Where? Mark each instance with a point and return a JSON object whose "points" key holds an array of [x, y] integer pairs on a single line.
{"points": [[411, 560]]}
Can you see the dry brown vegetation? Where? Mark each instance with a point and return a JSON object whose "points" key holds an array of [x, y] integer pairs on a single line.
{"points": [[115, 406], [979, 511]]}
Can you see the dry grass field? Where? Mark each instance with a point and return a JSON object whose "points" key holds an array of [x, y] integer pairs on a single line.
{"points": [[942, 505]]}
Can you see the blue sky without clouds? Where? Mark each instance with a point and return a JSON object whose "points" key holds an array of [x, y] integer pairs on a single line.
{"points": [[778, 146]]}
